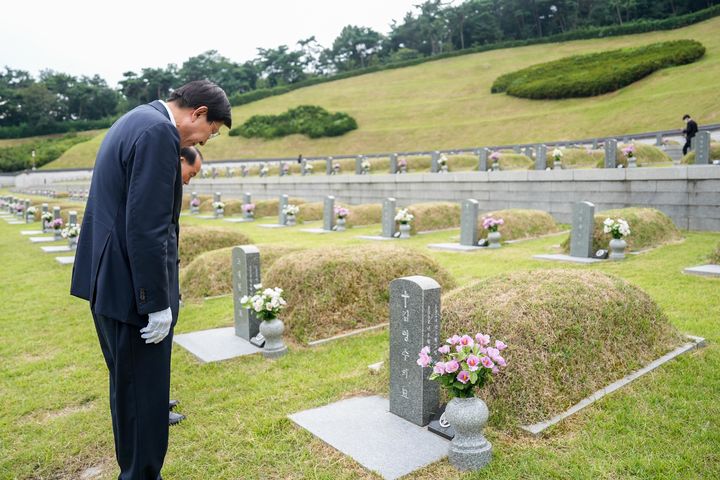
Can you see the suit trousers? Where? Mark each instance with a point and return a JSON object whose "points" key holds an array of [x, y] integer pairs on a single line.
{"points": [[139, 396]]}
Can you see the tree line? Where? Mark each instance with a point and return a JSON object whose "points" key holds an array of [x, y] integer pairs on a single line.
{"points": [[57, 102]]}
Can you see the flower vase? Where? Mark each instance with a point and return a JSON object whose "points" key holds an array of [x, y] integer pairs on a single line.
{"points": [[290, 221], [194, 210], [444, 169], [29, 218], [72, 243], [469, 449], [495, 167], [494, 239], [249, 215], [58, 235], [403, 169], [557, 165], [45, 227], [219, 213], [617, 249], [632, 162], [272, 331], [340, 225], [404, 230]]}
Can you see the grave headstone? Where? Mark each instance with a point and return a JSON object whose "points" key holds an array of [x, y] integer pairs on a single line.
{"points": [[72, 217], [358, 165], [702, 148], [394, 163], [329, 213], [595, 144], [610, 153], [45, 208], [414, 324], [483, 159], [435, 162], [388, 217], [658, 140], [247, 198], [246, 274], [541, 157], [282, 218], [469, 223], [56, 213], [528, 152], [329, 166], [217, 196], [516, 148], [581, 235]]}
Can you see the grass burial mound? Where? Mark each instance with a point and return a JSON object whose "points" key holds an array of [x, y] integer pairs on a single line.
{"points": [[689, 159], [210, 273], [310, 212], [269, 208], [367, 214], [569, 333], [195, 240], [647, 155], [509, 160], [434, 216], [332, 290], [648, 228], [520, 223]]}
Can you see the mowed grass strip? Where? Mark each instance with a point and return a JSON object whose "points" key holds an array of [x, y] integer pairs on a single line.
{"points": [[54, 419]]}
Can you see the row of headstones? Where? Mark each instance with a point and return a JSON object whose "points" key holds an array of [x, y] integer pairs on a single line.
{"points": [[78, 195], [40, 193], [700, 143]]}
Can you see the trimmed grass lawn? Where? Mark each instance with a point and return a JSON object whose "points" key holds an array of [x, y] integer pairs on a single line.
{"points": [[55, 422]]}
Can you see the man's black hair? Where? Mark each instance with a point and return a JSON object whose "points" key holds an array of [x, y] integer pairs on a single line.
{"points": [[204, 93], [190, 154], [686, 116]]}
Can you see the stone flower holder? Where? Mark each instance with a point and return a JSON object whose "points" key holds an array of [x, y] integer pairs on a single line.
{"points": [[72, 243], [340, 224], [194, 210], [617, 249], [469, 449], [58, 235], [272, 331], [403, 169], [219, 213], [290, 220], [30, 218], [404, 230], [495, 167], [443, 169], [249, 215], [632, 162], [557, 165], [494, 239]]}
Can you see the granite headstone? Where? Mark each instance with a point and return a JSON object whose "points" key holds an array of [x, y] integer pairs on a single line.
{"points": [[610, 153], [246, 274], [469, 223], [388, 217], [328, 213], [581, 236]]}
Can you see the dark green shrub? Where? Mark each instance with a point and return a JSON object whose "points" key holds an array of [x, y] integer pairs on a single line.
{"points": [[310, 120], [19, 157], [596, 73]]}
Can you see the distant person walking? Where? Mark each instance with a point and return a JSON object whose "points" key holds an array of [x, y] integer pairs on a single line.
{"points": [[691, 129], [126, 263]]}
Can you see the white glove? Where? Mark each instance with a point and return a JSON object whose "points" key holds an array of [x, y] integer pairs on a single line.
{"points": [[158, 326]]}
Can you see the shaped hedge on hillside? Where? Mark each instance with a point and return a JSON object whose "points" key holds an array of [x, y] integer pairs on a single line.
{"points": [[596, 73], [310, 120]]}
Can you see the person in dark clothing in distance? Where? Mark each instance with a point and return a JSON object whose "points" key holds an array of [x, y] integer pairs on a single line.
{"points": [[690, 130]]}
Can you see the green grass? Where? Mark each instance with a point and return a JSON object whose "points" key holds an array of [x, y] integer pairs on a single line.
{"points": [[54, 418], [447, 104]]}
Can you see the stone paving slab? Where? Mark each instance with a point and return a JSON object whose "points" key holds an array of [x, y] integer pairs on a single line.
{"points": [[704, 270], [567, 258], [215, 344], [65, 260], [31, 232], [56, 249], [16, 222], [374, 237], [238, 220], [42, 239], [315, 230], [364, 429], [272, 225], [454, 247]]}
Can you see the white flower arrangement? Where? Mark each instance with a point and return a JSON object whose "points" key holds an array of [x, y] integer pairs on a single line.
{"points": [[266, 303], [404, 217], [218, 205], [47, 217], [618, 227], [442, 161], [73, 231], [365, 164], [308, 167], [557, 154], [31, 211], [291, 209]]}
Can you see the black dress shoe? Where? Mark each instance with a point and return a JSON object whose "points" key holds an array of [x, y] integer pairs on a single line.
{"points": [[174, 403], [175, 418]]}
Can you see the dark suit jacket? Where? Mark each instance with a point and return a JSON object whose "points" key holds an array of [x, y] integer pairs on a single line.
{"points": [[126, 263], [692, 129]]}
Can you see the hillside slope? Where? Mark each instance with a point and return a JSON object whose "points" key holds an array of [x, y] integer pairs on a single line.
{"points": [[448, 104]]}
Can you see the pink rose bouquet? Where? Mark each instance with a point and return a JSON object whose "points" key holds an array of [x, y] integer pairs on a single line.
{"points": [[492, 224], [464, 363]]}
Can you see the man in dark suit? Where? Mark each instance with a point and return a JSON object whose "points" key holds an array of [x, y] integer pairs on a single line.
{"points": [[691, 129], [126, 264]]}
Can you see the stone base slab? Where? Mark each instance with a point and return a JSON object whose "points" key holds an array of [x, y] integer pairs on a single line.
{"points": [[455, 247], [56, 249], [315, 230], [215, 345], [704, 270], [567, 258], [65, 260], [239, 220], [375, 237], [31, 232], [43, 239], [272, 225], [364, 429]]}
